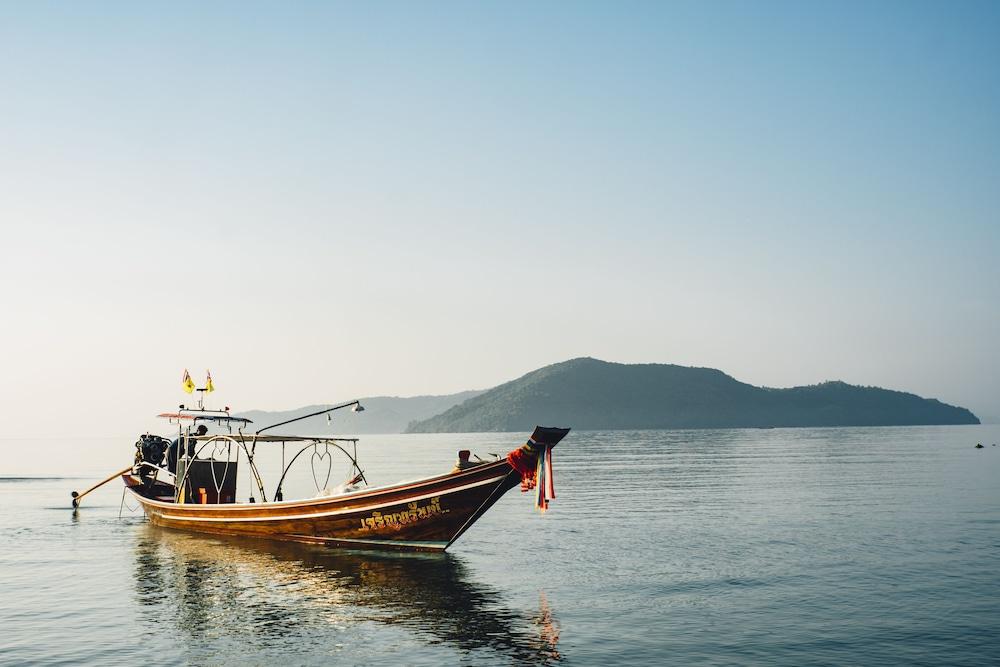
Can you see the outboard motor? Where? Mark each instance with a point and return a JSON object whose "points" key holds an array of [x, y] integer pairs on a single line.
{"points": [[150, 449]]}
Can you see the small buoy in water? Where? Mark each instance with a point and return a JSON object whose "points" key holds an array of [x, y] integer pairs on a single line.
{"points": [[979, 445]]}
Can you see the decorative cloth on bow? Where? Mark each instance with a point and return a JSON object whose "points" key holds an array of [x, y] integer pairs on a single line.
{"points": [[534, 463], [545, 489]]}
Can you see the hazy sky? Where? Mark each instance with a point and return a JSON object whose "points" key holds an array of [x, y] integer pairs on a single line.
{"points": [[320, 201]]}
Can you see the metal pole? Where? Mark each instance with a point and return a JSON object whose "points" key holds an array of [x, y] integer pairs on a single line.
{"points": [[314, 414]]}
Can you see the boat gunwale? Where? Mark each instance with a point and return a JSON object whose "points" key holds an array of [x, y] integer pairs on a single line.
{"points": [[318, 503], [320, 513]]}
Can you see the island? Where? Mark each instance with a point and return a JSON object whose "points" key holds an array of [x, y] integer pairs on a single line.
{"points": [[591, 394]]}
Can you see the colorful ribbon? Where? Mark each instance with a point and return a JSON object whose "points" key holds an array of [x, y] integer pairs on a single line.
{"points": [[534, 462], [545, 489]]}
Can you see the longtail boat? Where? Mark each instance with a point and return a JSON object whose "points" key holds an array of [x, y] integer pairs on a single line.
{"points": [[190, 484]]}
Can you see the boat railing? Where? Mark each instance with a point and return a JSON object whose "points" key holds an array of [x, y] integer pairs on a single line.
{"points": [[352, 456], [214, 440], [248, 443]]}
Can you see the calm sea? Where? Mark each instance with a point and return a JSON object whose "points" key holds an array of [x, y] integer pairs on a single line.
{"points": [[783, 547]]}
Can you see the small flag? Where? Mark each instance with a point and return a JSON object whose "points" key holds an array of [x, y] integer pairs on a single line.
{"points": [[209, 387], [187, 382]]}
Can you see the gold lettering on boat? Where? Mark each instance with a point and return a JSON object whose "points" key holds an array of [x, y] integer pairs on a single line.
{"points": [[414, 512]]}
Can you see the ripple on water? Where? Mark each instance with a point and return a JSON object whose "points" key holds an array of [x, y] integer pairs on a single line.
{"points": [[782, 546]]}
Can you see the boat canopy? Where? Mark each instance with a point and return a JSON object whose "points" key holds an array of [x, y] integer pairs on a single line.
{"points": [[197, 416], [249, 437]]}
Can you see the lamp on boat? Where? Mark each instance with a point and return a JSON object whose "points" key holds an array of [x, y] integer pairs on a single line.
{"points": [[354, 405]]}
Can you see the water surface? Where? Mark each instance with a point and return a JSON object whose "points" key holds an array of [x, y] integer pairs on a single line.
{"points": [[784, 546]]}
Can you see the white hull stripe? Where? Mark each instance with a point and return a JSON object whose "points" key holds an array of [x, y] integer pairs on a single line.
{"points": [[312, 515]]}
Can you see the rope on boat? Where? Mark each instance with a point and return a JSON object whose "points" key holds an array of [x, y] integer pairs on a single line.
{"points": [[125, 504]]}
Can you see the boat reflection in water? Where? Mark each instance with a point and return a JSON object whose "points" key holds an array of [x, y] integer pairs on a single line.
{"points": [[223, 599]]}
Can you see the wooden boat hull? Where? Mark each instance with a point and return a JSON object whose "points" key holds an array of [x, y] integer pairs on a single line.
{"points": [[427, 515]]}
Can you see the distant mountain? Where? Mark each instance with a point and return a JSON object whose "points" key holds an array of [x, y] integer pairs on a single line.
{"points": [[382, 414], [592, 394]]}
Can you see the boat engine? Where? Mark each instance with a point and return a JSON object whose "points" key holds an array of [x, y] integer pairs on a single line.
{"points": [[150, 449]]}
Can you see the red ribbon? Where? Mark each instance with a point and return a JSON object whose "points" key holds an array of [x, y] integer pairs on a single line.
{"points": [[526, 464]]}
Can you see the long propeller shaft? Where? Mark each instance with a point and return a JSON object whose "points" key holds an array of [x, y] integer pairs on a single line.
{"points": [[79, 496]]}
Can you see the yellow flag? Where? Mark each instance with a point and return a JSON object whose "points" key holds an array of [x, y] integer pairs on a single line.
{"points": [[209, 387], [187, 382]]}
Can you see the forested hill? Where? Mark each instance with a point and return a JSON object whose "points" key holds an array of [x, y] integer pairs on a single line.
{"points": [[588, 393]]}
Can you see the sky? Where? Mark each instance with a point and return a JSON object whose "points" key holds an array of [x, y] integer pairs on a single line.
{"points": [[320, 201]]}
